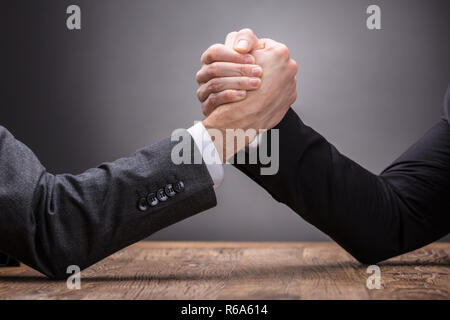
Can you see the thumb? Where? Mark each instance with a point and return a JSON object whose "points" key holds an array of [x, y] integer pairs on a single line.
{"points": [[245, 41]]}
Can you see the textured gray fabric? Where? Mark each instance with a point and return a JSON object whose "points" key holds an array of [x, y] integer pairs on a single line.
{"points": [[52, 221], [447, 105]]}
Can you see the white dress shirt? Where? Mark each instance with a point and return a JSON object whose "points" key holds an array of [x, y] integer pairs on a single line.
{"points": [[209, 152]]}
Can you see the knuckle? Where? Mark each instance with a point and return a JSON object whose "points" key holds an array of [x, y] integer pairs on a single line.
{"points": [[205, 110], [215, 47], [211, 101], [228, 95], [198, 76], [205, 56], [211, 53], [199, 93], [282, 51], [213, 85], [247, 31], [293, 66], [211, 71]]}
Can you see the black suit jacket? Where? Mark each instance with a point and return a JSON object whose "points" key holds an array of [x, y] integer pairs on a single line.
{"points": [[373, 217], [52, 221]]}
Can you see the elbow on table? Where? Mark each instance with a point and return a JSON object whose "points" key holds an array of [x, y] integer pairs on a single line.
{"points": [[368, 259], [374, 254], [53, 266]]}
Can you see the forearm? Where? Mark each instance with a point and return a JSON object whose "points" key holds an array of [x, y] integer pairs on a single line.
{"points": [[52, 221], [372, 217]]}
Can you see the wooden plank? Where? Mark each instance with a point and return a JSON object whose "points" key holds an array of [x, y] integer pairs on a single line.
{"points": [[241, 270]]}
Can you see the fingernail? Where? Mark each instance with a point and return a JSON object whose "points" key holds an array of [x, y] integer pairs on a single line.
{"points": [[242, 45], [256, 71], [254, 82], [249, 59], [241, 93]]}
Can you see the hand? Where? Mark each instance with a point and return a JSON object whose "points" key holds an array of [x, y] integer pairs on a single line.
{"points": [[262, 108], [225, 74], [265, 107], [225, 77]]}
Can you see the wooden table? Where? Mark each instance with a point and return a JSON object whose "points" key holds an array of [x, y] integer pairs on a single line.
{"points": [[224, 270]]}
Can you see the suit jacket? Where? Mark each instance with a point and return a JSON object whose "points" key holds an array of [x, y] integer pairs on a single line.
{"points": [[52, 221], [373, 217]]}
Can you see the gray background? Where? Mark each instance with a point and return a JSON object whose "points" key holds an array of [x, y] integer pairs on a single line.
{"points": [[126, 80]]}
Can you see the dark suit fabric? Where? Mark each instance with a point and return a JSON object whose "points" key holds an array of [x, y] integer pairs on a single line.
{"points": [[52, 221], [373, 217]]}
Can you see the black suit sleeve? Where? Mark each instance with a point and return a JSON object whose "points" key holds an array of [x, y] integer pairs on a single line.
{"points": [[373, 217]]}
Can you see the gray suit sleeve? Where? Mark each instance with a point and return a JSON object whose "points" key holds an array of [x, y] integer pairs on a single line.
{"points": [[52, 221]]}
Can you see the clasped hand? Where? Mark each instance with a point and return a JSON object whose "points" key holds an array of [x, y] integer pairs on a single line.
{"points": [[247, 84]]}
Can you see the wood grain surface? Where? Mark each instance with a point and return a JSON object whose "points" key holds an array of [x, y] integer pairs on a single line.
{"points": [[230, 270]]}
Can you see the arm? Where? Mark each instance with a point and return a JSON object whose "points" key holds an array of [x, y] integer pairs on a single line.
{"points": [[52, 221], [373, 217]]}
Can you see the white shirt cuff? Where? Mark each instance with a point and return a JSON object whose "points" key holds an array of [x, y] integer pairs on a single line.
{"points": [[209, 153]]}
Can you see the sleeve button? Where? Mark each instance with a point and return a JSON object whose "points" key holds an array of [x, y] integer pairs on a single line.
{"points": [[142, 204], [161, 195], [152, 200], [169, 191], [179, 186]]}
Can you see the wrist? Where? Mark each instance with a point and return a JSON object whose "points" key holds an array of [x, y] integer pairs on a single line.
{"points": [[216, 135], [228, 141]]}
